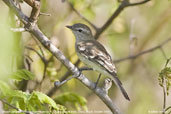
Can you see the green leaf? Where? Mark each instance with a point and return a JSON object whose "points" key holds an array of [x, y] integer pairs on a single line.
{"points": [[44, 99], [22, 95], [22, 74], [165, 74], [4, 89], [26, 101], [73, 99]]}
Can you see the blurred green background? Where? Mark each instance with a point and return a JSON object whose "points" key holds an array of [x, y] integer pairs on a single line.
{"points": [[136, 29]]}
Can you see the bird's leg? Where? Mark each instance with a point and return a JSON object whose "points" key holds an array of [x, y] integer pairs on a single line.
{"points": [[58, 83], [97, 81], [84, 68]]}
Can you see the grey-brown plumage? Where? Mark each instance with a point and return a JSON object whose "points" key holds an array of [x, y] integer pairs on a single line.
{"points": [[93, 54]]}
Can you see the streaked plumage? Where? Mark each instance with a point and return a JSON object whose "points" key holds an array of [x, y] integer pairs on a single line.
{"points": [[93, 54]]}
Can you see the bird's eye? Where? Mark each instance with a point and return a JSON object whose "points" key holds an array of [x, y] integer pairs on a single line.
{"points": [[79, 30]]}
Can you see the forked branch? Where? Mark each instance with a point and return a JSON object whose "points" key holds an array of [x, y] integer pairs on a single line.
{"points": [[59, 55]]}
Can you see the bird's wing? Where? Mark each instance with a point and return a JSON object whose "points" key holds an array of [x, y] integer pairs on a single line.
{"points": [[96, 53]]}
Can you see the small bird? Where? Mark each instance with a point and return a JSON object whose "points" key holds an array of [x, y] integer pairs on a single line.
{"points": [[93, 54]]}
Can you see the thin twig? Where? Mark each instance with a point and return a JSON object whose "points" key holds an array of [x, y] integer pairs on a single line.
{"points": [[44, 14], [59, 55], [164, 95], [53, 90], [45, 62], [143, 52], [41, 50], [132, 38], [19, 110], [58, 84], [167, 108], [29, 58], [80, 15], [139, 3], [167, 62], [164, 54], [18, 29], [35, 4], [5, 102], [99, 31], [85, 68], [122, 6], [110, 20], [64, 77], [42, 58], [164, 87]]}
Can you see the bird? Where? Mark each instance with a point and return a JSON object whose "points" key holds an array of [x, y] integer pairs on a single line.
{"points": [[93, 54]]}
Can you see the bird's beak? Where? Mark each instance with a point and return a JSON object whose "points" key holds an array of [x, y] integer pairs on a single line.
{"points": [[70, 27]]}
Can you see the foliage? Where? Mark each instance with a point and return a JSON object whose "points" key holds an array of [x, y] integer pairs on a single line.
{"points": [[73, 99], [37, 100], [165, 78], [22, 74], [150, 23], [26, 101]]}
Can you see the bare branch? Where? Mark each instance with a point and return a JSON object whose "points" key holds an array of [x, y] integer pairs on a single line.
{"points": [[164, 54], [59, 55], [138, 3], [64, 77], [164, 94], [35, 4], [168, 109], [124, 4], [42, 58], [44, 14], [41, 50], [53, 90], [58, 83], [80, 15], [18, 110], [99, 31], [144, 52], [167, 62], [18, 29]]}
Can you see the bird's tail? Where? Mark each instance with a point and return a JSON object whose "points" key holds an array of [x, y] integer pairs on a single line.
{"points": [[119, 85]]}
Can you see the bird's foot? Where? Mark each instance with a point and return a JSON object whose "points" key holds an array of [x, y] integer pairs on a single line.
{"points": [[97, 81]]}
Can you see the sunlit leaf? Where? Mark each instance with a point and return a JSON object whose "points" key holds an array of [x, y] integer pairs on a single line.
{"points": [[72, 98], [4, 89], [165, 74], [44, 99], [22, 74]]}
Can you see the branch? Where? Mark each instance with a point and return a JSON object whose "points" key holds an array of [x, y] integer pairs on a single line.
{"points": [[54, 89], [168, 109], [144, 52], [35, 4], [18, 29], [139, 3], [122, 6], [18, 110], [80, 15], [58, 83], [32, 49], [99, 31], [59, 55]]}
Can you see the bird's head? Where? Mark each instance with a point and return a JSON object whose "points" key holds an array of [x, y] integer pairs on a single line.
{"points": [[81, 32]]}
